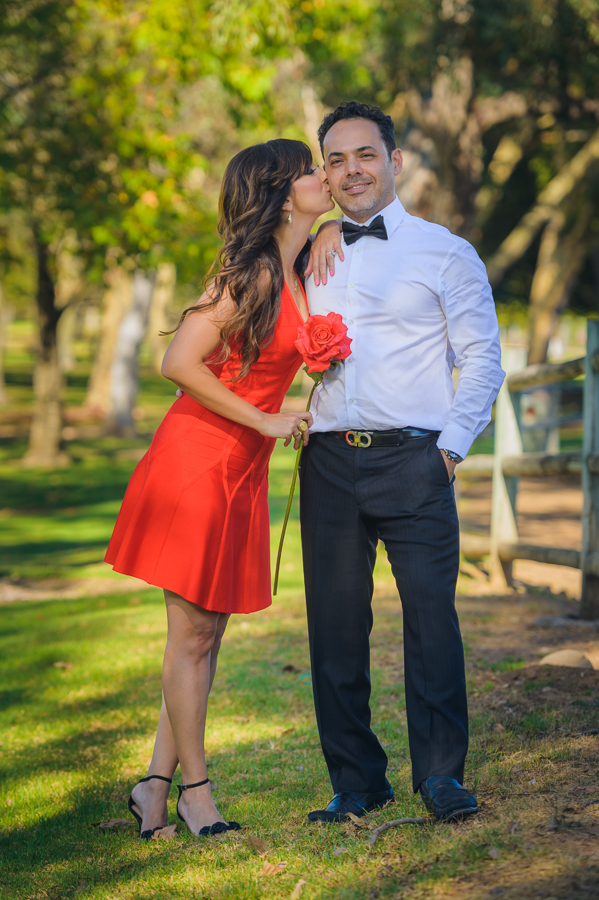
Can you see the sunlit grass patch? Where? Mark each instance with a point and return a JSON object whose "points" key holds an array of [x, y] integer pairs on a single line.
{"points": [[80, 695], [507, 664]]}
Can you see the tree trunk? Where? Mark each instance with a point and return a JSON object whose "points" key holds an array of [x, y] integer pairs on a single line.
{"points": [[313, 114], [70, 286], [3, 325], [444, 118], [124, 383], [455, 119], [559, 261], [45, 447], [66, 336], [164, 292], [116, 301]]}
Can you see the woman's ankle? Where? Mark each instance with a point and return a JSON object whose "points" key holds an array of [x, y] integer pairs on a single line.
{"points": [[200, 807]]}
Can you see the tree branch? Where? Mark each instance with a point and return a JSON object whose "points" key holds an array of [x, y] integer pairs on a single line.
{"points": [[491, 111], [421, 820], [519, 240]]}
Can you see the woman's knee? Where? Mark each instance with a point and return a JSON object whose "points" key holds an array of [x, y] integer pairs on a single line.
{"points": [[191, 629], [194, 643]]}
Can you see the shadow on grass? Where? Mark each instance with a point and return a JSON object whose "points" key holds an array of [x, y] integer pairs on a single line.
{"points": [[62, 841], [40, 551], [16, 697], [83, 483], [45, 851]]}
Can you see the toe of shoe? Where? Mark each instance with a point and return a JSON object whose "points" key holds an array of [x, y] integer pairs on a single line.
{"points": [[321, 815], [317, 815], [457, 815]]}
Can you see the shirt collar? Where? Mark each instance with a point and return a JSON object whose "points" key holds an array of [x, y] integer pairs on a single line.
{"points": [[393, 214]]}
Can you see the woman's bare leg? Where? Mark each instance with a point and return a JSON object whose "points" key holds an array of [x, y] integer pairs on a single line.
{"points": [[194, 636], [151, 796], [220, 630]]}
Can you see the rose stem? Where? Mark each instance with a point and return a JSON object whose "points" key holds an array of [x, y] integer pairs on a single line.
{"points": [[290, 500]]}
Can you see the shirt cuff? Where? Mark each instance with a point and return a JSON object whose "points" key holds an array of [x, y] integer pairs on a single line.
{"points": [[455, 438]]}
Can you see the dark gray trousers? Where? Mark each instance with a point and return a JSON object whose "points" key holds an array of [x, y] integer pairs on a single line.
{"points": [[351, 498]]}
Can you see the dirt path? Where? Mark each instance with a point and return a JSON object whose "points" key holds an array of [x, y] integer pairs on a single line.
{"points": [[549, 512]]}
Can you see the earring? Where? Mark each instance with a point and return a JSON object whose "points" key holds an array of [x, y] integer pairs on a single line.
{"points": [[289, 219]]}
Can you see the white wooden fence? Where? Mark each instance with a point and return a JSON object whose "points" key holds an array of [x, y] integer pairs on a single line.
{"points": [[509, 462]]}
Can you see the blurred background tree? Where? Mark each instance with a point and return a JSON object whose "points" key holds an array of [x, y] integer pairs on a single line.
{"points": [[117, 118], [493, 101]]}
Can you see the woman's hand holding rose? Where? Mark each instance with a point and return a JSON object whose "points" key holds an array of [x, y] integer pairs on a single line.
{"points": [[286, 425]]}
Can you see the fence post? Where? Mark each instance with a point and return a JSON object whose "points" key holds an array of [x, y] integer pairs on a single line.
{"points": [[508, 442], [589, 600]]}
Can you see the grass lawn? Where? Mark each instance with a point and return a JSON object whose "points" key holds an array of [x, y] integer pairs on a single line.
{"points": [[80, 692]]}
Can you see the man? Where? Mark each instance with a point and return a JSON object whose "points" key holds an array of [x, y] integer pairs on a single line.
{"points": [[388, 433]]}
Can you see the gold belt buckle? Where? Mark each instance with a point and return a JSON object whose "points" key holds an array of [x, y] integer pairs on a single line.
{"points": [[358, 439]]}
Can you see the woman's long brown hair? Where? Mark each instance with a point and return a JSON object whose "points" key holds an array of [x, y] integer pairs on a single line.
{"points": [[256, 184]]}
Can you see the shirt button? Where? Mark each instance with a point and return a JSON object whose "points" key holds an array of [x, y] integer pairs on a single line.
{"points": [[358, 249], [352, 284], [351, 321], [352, 400]]}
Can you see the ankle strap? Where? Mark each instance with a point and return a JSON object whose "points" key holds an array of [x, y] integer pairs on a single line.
{"points": [[159, 777], [188, 787]]}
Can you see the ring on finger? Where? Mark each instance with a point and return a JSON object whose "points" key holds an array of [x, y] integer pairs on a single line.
{"points": [[331, 253], [303, 426]]}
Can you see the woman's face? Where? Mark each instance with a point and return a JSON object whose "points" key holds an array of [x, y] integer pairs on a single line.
{"points": [[310, 193]]}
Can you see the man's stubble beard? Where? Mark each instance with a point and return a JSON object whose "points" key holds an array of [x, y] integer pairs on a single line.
{"points": [[375, 203]]}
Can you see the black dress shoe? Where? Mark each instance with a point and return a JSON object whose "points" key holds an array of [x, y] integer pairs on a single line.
{"points": [[354, 802], [447, 799]]}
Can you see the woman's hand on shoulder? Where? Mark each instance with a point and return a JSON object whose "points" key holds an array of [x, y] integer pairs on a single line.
{"points": [[325, 246], [286, 425]]}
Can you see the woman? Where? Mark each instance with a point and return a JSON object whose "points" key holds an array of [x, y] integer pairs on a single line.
{"points": [[195, 516]]}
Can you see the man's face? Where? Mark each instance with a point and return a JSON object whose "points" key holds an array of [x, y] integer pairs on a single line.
{"points": [[360, 173]]}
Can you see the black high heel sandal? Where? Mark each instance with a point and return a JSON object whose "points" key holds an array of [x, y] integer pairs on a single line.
{"points": [[207, 830], [146, 835]]}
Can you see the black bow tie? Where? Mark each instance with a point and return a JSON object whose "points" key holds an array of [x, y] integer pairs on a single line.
{"points": [[353, 233]]}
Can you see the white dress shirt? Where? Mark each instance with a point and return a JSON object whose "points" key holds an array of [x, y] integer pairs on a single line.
{"points": [[415, 306]]}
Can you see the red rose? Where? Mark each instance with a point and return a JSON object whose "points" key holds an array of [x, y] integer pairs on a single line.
{"points": [[321, 340]]}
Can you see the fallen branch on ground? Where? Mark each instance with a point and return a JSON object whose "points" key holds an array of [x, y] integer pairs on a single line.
{"points": [[421, 820]]}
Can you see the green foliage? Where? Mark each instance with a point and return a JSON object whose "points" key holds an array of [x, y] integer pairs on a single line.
{"points": [[93, 129], [508, 664], [117, 117]]}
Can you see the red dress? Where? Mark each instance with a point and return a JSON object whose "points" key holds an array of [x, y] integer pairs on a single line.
{"points": [[195, 517]]}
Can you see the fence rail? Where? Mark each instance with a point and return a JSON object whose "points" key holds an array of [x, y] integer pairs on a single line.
{"points": [[550, 373], [509, 463]]}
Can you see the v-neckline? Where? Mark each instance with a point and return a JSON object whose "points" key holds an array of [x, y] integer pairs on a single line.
{"points": [[297, 309]]}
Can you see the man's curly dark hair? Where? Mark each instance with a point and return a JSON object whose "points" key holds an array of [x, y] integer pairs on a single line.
{"points": [[354, 110]]}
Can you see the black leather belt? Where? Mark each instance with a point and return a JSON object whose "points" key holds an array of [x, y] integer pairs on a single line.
{"points": [[392, 438]]}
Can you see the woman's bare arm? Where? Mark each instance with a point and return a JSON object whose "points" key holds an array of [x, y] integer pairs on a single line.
{"points": [[184, 364]]}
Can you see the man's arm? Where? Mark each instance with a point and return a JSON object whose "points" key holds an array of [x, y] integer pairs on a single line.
{"points": [[473, 332]]}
